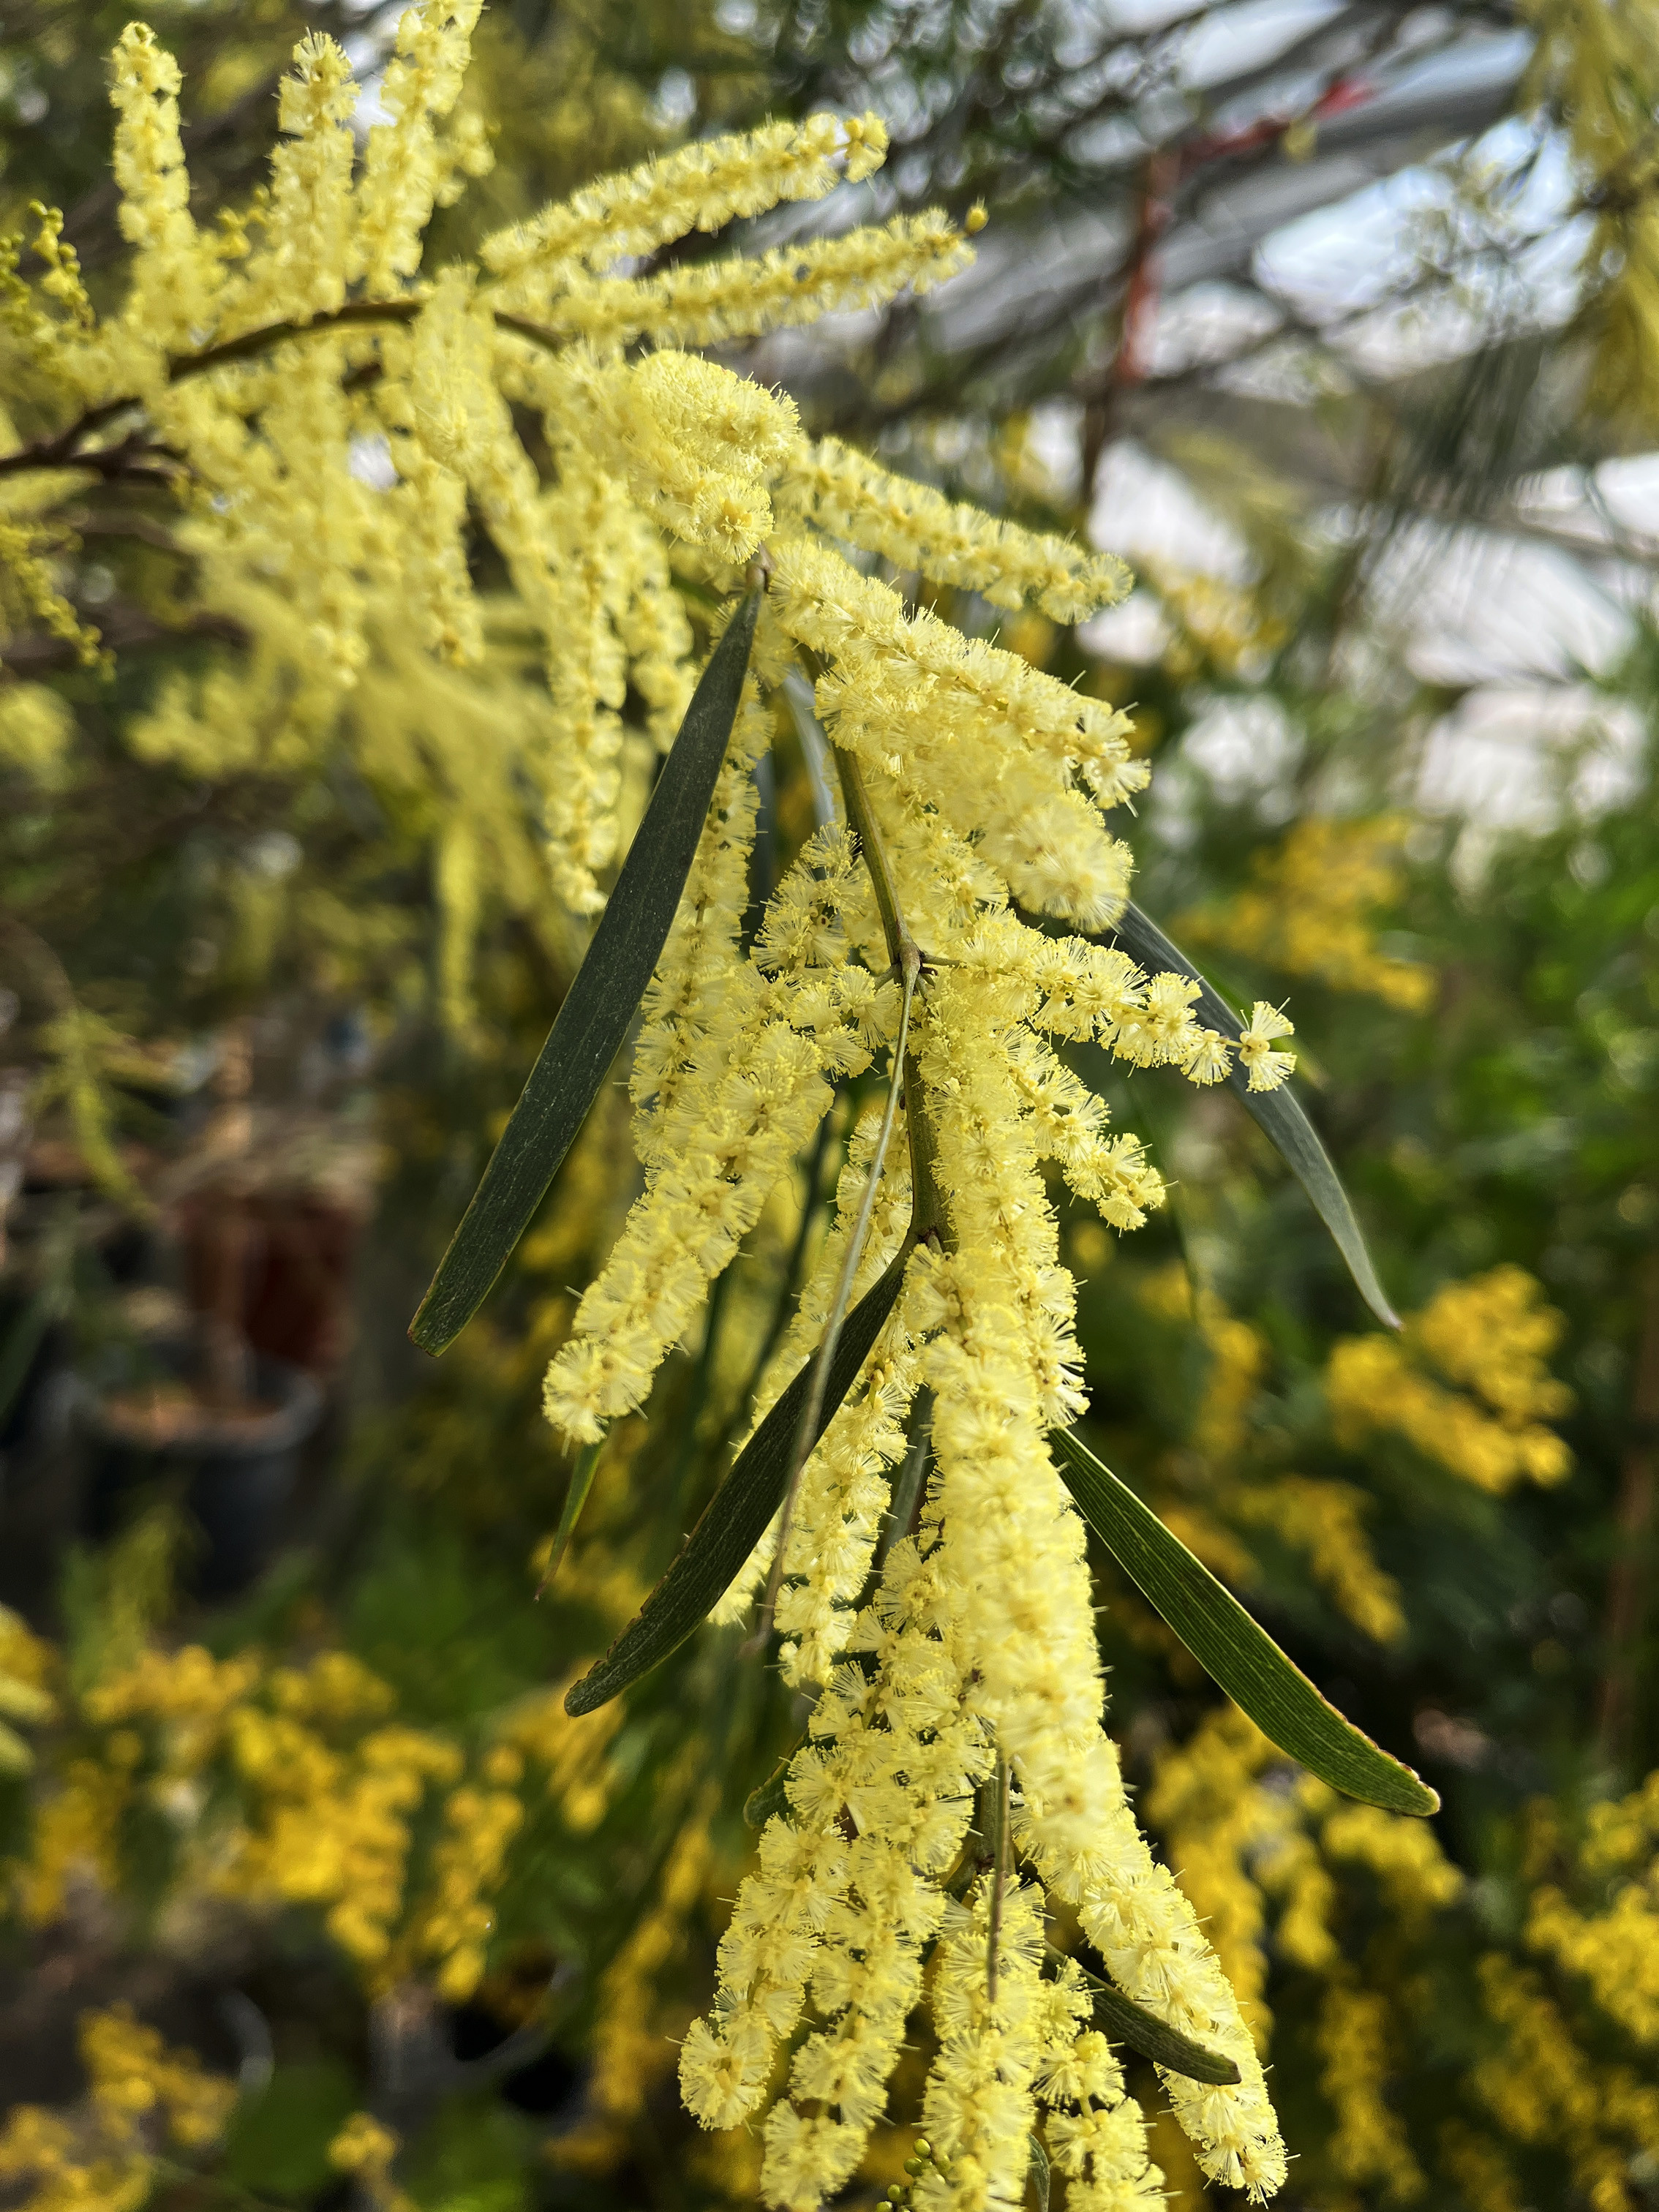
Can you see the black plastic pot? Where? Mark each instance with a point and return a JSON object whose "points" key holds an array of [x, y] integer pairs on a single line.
{"points": [[235, 1477]]}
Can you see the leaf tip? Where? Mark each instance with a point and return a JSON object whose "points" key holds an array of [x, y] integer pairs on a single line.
{"points": [[426, 1332], [584, 1697]]}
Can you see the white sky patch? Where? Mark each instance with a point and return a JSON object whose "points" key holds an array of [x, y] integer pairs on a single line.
{"points": [[1476, 606], [1053, 440], [1514, 759], [1229, 41], [1208, 323], [1614, 506], [1145, 508], [1135, 631], [1244, 748]]}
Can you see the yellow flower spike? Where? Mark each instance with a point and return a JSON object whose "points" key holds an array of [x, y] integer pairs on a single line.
{"points": [[841, 492], [710, 303], [705, 187], [1490, 1335], [343, 424]]}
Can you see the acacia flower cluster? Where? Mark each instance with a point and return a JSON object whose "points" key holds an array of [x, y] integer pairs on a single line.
{"points": [[951, 925]]}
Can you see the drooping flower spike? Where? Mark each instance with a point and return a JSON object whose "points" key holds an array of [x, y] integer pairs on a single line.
{"points": [[269, 358]]}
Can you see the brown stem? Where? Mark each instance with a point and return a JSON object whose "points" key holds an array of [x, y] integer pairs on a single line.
{"points": [[1627, 1582], [60, 451], [1133, 355]]}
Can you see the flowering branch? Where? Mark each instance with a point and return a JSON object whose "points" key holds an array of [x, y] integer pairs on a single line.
{"points": [[60, 451]]}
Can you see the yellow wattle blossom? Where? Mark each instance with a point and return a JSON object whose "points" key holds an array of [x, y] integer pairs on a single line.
{"points": [[142, 2100], [343, 423], [366, 2148], [1599, 1922], [1245, 1845], [454, 1920], [703, 188], [1593, 66], [850, 497], [710, 303], [26, 1673], [1306, 912], [297, 1785], [1543, 2088], [1370, 2143], [631, 2050], [1323, 1521], [1490, 1336]]}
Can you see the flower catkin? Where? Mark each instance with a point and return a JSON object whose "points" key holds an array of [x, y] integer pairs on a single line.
{"points": [[349, 430]]}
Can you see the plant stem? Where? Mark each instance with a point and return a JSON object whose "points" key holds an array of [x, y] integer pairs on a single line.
{"points": [[812, 1412], [787, 1289], [930, 1216], [907, 1491], [1000, 1874], [58, 452]]}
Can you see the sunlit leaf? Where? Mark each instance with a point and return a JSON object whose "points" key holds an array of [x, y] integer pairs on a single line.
{"points": [[737, 1515], [1234, 1649], [1279, 1112], [600, 1003]]}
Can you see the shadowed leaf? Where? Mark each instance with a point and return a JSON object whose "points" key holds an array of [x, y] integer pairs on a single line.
{"points": [[1235, 1650], [600, 1003], [1279, 1112], [1125, 2021], [771, 1796], [737, 1515], [1040, 2171], [581, 1481]]}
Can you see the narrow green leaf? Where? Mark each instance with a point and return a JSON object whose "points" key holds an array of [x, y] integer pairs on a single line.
{"points": [[737, 1516], [1125, 2021], [581, 1481], [771, 1796], [1279, 1112], [1040, 2171], [600, 1003], [1234, 1649]]}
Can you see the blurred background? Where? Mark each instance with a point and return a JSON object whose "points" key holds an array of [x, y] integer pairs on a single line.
{"points": [[1340, 319]]}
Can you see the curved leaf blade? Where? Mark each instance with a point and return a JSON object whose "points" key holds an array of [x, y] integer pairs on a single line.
{"points": [[1123, 2020], [600, 1003], [581, 1481], [772, 1795], [1234, 1649], [737, 1516], [1278, 1113], [1040, 2171]]}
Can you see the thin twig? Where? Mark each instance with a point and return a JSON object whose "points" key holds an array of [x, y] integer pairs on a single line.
{"points": [[792, 1269], [999, 1877], [60, 451], [904, 1505], [812, 1413]]}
